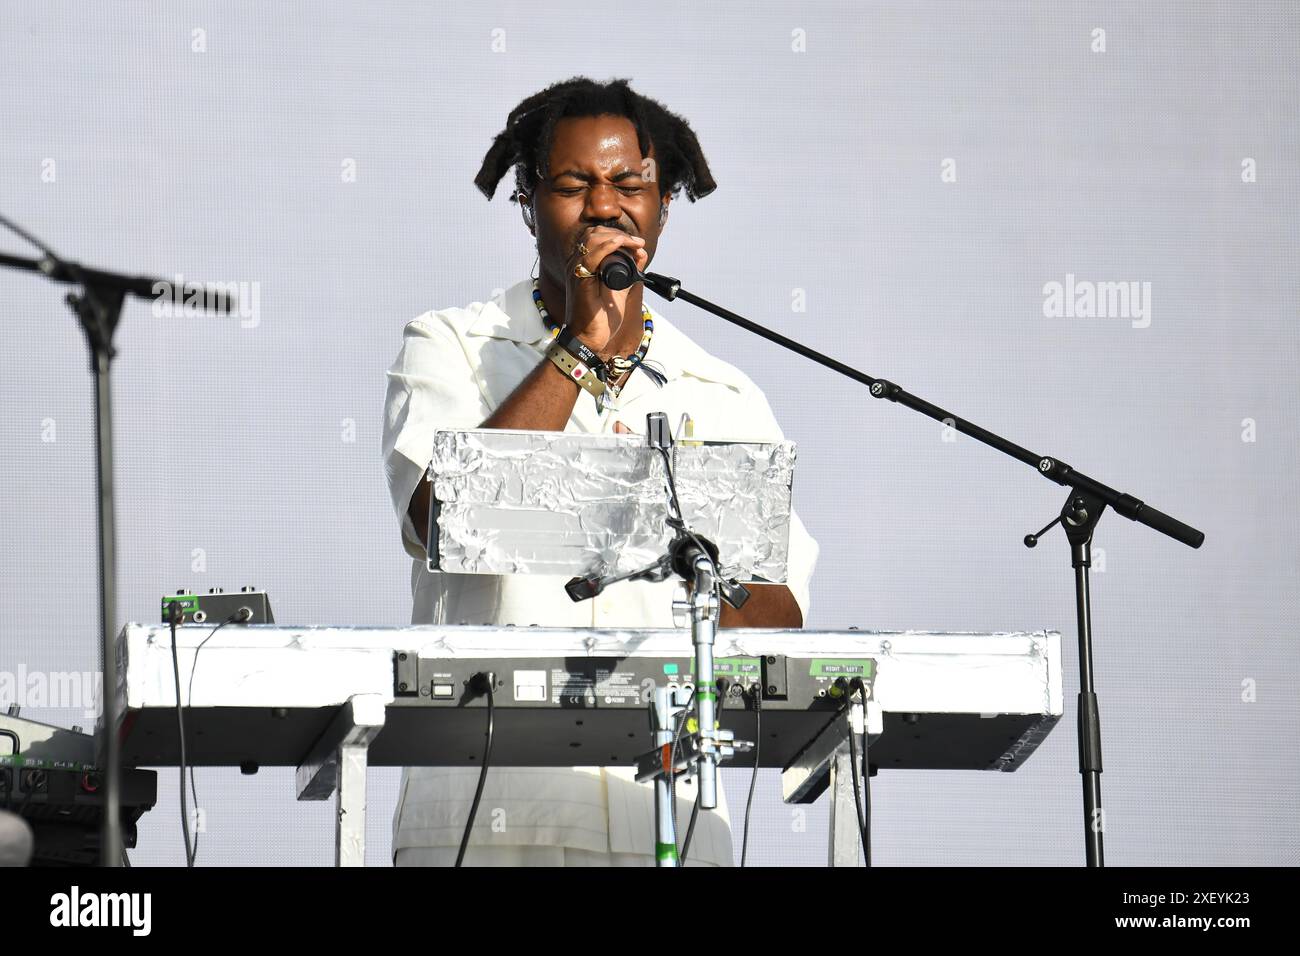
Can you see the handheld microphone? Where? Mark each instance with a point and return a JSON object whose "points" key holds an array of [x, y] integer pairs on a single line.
{"points": [[618, 271]]}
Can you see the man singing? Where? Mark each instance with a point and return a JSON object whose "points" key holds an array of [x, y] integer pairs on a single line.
{"points": [[596, 166]]}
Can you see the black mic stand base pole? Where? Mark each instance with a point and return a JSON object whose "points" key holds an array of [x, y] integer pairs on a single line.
{"points": [[111, 747], [1079, 518], [99, 310]]}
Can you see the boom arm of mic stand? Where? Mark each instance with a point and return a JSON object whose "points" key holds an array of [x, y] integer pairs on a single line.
{"points": [[1053, 468], [582, 589], [142, 287]]}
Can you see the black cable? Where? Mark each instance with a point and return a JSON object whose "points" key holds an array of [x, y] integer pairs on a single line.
{"points": [[857, 798], [680, 724], [243, 614], [180, 730], [490, 678], [680, 522], [16, 778], [191, 843], [866, 797], [866, 772], [27, 794], [17, 781], [672, 486], [863, 816], [690, 827], [16, 749], [757, 692], [695, 810], [194, 665]]}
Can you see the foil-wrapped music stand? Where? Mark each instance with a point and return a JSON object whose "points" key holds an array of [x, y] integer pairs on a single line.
{"points": [[526, 502]]}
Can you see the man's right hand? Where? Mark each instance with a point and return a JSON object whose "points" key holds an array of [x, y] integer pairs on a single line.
{"points": [[593, 312], [544, 400]]}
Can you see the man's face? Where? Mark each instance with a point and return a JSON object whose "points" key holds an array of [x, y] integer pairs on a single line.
{"points": [[597, 177]]}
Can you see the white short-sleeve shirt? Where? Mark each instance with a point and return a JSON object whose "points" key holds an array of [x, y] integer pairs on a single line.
{"points": [[456, 366]]}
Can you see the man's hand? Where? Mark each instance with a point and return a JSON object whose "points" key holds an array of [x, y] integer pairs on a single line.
{"points": [[769, 605], [419, 510], [593, 312]]}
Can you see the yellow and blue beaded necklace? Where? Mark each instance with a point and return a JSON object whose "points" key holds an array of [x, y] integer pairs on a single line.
{"points": [[620, 364]]}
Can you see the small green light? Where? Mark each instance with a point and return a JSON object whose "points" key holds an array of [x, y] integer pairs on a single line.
{"points": [[670, 668]]}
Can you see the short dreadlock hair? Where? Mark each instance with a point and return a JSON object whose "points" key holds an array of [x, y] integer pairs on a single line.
{"points": [[526, 141]]}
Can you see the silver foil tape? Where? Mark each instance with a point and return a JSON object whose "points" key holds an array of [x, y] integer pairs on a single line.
{"points": [[523, 502]]}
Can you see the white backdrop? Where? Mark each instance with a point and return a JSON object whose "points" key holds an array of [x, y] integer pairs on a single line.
{"points": [[899, 183]]}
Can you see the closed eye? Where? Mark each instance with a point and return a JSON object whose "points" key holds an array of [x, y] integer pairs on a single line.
{"points": [[626, 190]]}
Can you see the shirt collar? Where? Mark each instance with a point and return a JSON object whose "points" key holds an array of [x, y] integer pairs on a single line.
{"points": [[513, 315]]}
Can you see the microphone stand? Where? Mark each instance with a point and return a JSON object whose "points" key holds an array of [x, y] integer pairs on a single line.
{"points": [[693, 558], [1079, 515], [98, 307]]}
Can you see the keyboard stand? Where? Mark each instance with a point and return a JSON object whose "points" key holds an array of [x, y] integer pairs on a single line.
{"points": [[337, 765], [826, 764]]}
